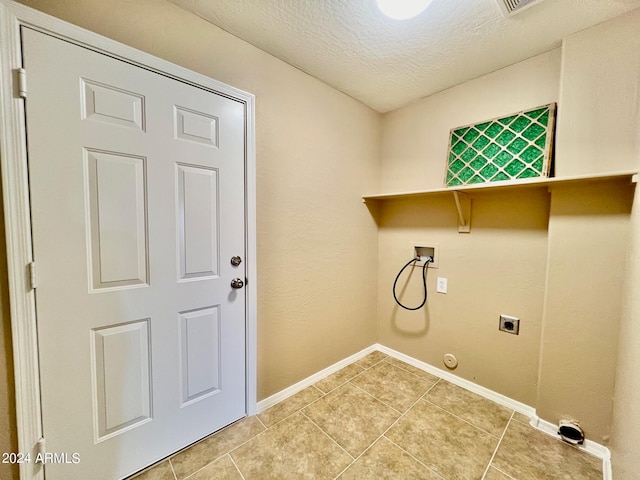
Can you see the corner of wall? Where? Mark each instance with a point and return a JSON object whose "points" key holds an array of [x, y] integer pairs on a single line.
{"points": [[596, 133], [626, 408]]}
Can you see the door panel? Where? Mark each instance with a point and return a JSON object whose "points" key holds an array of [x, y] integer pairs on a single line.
{"points": [[198, 217], [137, 197], [200, 353], [117, 219], [122, 378], [105, 103]]}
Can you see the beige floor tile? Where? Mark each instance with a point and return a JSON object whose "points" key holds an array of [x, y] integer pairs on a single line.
{"points": [[293, 449], [371, 359], [477, 410], [518, 417], [493, 474], [411, 369], [392, 385], [526, 453], [443, 442], [289, 406], [206, 451], [353, 418], [161, 471], [385, 461], [446, 433], [221, 469], [339, 378]]}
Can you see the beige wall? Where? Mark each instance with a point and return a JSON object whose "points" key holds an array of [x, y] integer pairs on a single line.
{"points": [[498, 268], [599, 94], [598, 131], [583, 305], [625, 436], [528, 254], [415, 138], [317, 150], [602, 91]]}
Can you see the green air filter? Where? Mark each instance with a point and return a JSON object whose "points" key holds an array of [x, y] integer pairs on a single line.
{"points": [[508, 148]]}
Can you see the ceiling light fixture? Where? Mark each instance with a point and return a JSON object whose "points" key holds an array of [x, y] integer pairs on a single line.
{"points": [[402, 9]]}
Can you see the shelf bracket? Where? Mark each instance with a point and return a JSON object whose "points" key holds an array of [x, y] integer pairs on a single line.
{"points": [[463, 205]]}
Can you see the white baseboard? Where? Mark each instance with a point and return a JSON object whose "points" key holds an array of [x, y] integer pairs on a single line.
{"points": [[548, 428], [589, 446], [461, 382], [307, 382]]}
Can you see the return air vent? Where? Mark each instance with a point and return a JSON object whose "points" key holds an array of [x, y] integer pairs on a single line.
{"points": [[511, 7]]}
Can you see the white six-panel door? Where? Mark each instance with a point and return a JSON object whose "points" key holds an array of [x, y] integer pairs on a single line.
{"points": [[137, 200]]}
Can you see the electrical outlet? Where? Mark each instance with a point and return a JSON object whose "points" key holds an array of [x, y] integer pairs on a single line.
{"points": [[509, 324], [441, 285]]}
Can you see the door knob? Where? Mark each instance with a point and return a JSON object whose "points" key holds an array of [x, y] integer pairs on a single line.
{"points": [[235, 261], [237, 283]]}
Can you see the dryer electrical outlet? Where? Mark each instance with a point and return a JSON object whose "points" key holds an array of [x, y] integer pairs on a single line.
{"points": [[509, 324]]}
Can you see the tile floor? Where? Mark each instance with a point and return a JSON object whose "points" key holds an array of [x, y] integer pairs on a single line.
{"points": [[380, 418]]}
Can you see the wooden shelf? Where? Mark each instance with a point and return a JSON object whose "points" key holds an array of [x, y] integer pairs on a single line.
{"points": [[632, 176], [461, 192]]}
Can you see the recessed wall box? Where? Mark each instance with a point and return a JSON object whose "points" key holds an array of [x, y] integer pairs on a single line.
{"points": [[423, 250]]}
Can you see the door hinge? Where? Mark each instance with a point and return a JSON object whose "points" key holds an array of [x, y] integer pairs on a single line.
{"points": [[22, 83], [40, 450], [33, 280]]}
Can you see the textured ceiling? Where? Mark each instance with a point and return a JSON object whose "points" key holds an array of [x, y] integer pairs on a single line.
{"points": [[388, 63]]}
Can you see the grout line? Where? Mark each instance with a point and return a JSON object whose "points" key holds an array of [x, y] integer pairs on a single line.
{"points": [[261, 422], [401, 414], [282, 395], [205, 466], [505, 474], [357, 458], [236, 465], [430, 388], [382, 401], [414, 457], [380, 436], [175, 476], [467, 421], [322, 395], [389, 357], [460, 382], [373, 364], [387, 430], [377, 399], [328, 436], [336, 388], [486, 470], [394, 423], [228, 452], [311, 403], [201, 468], [248, 440], [424, 397], [343, 383]]}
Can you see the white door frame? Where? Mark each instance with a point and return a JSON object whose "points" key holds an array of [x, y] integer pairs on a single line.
{"points": [[15, 187]]}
